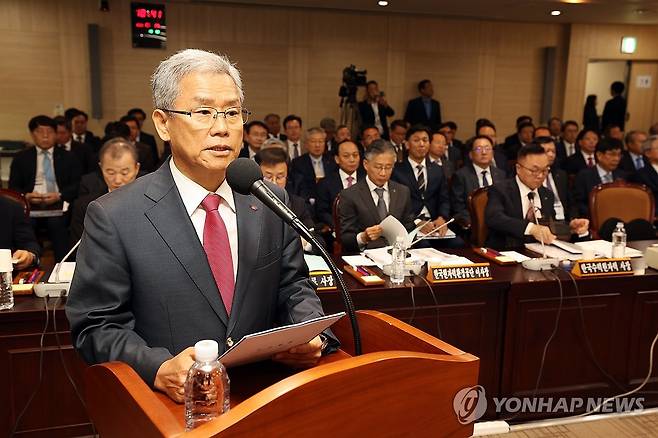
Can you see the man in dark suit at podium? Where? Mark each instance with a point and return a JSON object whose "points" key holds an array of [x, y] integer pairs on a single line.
{"points": [[364, 205], [177, 256], [424, 110]]}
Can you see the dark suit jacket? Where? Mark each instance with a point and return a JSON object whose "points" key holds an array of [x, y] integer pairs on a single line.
{"points": [[147, 162], [614, 112], [561, 180], [586, 180], [465, 182], [303, 175], [24, 171], [93, 141], [143, 290], [435, 197], [560, 155], [15, 228], [368, 116], [244, 152], [575, 163], [76, 227], [92, 183], [149, 140], [627, 165], [504, 216], [358, 212], [415, 113], [83, 152], [648, 176], [328, 188]]}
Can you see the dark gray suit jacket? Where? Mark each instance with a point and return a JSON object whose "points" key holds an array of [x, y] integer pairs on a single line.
{"points": [[465, 182], [143, 290], [358, 211]]}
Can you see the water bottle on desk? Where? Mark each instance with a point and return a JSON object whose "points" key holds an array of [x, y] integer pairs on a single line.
{"points": [[399, 254], [207, 387], [6, 268], [619, 241]]}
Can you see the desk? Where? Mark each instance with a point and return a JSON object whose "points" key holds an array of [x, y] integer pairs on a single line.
{"points": [[505, 322]]}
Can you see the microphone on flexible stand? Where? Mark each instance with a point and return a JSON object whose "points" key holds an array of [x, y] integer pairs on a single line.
{"points": [[245, 177], [544, 263], [56, 288]]}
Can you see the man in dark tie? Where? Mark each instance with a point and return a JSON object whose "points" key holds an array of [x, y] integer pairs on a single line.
{"points": [[292, 125], [48, 176], [439, 154], [87, 158], [478, 173], [648, 175], [608, 155], [78, 121], [364, 205], [584, 157], [398, 134], [177, 256], [424, 110], [375, 110], [516, 205], [632, 158], [311, 167], [557, 181], [255, 133], [273, 122], [144, 137]]}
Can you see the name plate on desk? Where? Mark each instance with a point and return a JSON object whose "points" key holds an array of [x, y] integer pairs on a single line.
{"points": [[323, 280], [602, 267], [458, 273]]}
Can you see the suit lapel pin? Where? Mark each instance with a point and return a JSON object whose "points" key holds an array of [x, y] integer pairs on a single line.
{"points": [[253, 207]]}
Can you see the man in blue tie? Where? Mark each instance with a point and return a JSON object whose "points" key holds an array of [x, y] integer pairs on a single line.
{"points": [[49, 177], [632, 158]]}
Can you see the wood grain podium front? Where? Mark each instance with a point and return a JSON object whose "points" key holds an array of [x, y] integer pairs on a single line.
{"points": [[403, 384]]}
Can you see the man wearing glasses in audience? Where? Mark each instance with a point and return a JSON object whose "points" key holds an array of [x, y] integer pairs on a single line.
{"points": [[516, 206], [177, 256]]}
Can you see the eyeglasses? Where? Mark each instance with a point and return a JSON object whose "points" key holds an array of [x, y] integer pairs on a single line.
{"points": [[481, 149], [384, 168], [275, 179], [204, 117], [536, 172]]}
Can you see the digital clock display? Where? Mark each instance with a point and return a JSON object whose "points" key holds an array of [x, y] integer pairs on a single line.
{"points": [[149, 28]]}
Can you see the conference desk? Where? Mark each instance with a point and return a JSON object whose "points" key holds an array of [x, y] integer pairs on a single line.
{"points": [[505, 321]]}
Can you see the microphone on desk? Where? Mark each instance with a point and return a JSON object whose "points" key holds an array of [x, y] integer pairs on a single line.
{"points": [[245, 177], [56, 288], [544, 263]]}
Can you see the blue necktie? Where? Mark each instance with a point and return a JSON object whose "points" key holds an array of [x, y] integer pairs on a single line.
{"points": [[639, 163], [48, 172]]}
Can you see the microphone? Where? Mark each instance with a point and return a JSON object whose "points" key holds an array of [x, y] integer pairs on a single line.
{"points": [[544, 263], [245, 177], [56, 288]]}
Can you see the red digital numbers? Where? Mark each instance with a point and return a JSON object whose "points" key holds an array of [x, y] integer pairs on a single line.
{"points": [[141, 13]]}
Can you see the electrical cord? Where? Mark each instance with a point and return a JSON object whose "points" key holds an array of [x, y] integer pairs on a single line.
{"points": [[29, 400], [436, 302], [413, 305]]}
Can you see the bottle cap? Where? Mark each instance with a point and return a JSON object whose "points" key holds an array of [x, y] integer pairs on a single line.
{"points": [[5, 261], [620, 225], [206, 351]]}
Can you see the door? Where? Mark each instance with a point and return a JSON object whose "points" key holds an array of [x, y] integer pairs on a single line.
{"points": [[642, 105]]}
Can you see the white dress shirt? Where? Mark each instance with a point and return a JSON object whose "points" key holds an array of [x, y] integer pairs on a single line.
{"points": [[252, 153], [557, 205], [343, 178], [79, 138], [67, 145], [291, 148], [318, 166], [586, 156], [602, 174], [570, 148], [193, 194], [525, 202], [478, 172], [40, 178]]}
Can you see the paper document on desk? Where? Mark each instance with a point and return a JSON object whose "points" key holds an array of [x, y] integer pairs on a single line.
{"points": [[65, 273], [358, 260], [263, 345], [435, 256], [315, 263], [516, 256], [552, 252], [603, 248], [383, 257]]}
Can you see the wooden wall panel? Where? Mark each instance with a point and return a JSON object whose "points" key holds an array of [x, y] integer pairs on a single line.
{"points": [[292, 59]]}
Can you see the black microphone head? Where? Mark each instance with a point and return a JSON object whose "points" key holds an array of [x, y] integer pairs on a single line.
{"points": [[242, 173]]}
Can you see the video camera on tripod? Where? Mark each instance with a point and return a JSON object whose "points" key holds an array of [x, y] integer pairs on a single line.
{"points": [[352, 80]]}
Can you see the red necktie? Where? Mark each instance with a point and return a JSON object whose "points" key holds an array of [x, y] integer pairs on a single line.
{"points": [[590, 162], [350, 180], [218, 249]]}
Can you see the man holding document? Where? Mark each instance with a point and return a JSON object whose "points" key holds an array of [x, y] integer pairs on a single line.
{"points": [[177, 256]]}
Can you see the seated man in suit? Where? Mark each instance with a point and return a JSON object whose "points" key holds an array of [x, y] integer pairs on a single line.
{"points": [[312, 166], [368, 134], [398, 134], [525, 132], [177, 256], [423, 110], [16, 234], [144, 137], [364, 205], [438, 154], [87, 158], [273, 122], [255, 134], [78, 120], [486, 127], [147, 161], [426, 181], [632, 158], [648, 174], [375, 110], [119, 166], [48, 176], [292, 126], [477, 173], [567, 145], [584, 157], [455, 147], [274, 165], [342, 133], [608, 155], [516, 205], [349, 173], [557, 182]]}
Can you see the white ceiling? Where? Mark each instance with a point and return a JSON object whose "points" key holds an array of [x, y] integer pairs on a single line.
{"points": [[573, 11]]}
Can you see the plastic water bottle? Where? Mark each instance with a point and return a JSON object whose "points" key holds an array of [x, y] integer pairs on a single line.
{"points": [[399, 254], [6, 268], [619, 241], [207, 387]]}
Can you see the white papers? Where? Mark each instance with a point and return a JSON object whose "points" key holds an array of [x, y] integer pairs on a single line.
{"points": [[65, 273], [552, 252], [358, 260], [262, 345], [392, 228], [438, 257], [516, 256], [603, 248], [315, 263], [567, 246]]}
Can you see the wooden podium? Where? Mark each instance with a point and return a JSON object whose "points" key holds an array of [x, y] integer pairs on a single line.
{"points": [[402, 385]]}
